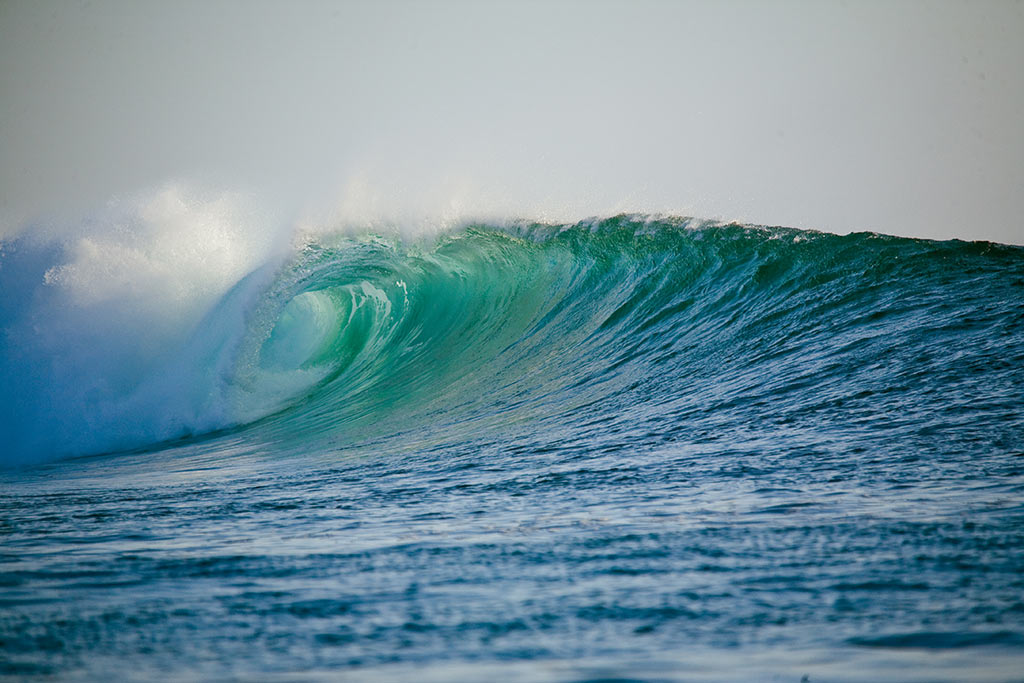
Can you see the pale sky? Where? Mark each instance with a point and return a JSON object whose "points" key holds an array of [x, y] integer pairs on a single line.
{"points": [[899, 117]]}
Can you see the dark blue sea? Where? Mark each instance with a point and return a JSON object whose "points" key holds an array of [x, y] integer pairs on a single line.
{"points": [[628, 449]]}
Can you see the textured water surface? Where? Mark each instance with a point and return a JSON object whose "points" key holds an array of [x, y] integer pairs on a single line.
{"points": [[630, 448]]}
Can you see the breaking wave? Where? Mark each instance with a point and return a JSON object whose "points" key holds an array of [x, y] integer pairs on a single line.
{"points": [[177, 324]]}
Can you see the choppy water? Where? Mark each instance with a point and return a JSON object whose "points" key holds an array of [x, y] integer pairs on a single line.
{"points": [[633, 448]]}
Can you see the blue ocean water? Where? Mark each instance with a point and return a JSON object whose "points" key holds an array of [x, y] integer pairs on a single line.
{"points": [[632, 448]]}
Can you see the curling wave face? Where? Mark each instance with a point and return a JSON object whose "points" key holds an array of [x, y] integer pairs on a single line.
{"points": [[668, 328]]}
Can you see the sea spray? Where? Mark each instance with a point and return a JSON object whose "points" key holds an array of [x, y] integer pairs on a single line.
{"points": [[96, 312]]}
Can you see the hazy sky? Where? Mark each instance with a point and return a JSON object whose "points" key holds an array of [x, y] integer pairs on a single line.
{"points": [[905, 118]]}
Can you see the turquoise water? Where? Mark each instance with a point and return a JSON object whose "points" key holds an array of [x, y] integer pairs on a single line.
{"points": [[633, 448]]}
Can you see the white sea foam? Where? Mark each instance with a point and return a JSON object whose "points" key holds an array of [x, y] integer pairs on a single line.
{"points": [[96, 352]]}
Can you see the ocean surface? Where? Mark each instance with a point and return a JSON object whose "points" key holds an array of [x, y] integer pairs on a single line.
{"points": [[631, 448]]}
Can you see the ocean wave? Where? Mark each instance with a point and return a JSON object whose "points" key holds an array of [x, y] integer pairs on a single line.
{"points": [[176, 323]]}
